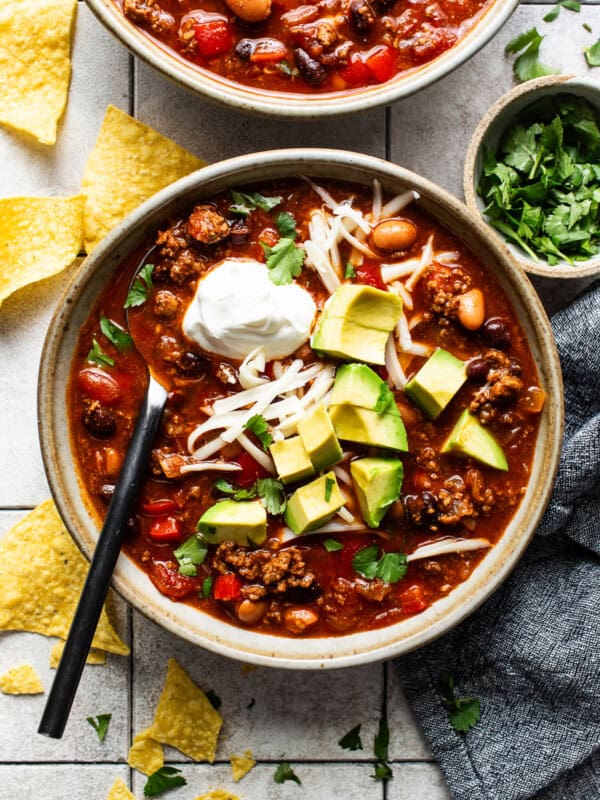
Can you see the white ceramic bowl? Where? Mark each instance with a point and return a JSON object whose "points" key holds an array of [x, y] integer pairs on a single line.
{"points": [[489, 132], [296, 105], [202, 629]]}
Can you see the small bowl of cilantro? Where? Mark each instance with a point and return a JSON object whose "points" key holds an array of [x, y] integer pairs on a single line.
{"points": [[533, 173]]}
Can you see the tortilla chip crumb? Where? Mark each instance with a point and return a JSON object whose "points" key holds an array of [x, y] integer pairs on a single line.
{"points": [[130, 162], [120, 791], [21, 680], [146, 754], [241, 765], [218, 794], [41, 576], [93, 657]]}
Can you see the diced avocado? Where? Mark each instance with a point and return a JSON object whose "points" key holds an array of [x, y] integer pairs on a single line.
{"points": [[314, 504], [356, 385], [365, 305], [377, 482], [244, 522], [436, 383], [342, 338], [319, 439], [366, 427], [470, 438], [291, 460]]}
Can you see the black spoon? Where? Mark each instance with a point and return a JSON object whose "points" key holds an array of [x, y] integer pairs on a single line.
{"points": [[108, 547]]}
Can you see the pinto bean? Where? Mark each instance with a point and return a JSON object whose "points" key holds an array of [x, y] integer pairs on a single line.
{"points": [[471, 309], [250, 10], [297, 620], [250, 611], [394, 234]]}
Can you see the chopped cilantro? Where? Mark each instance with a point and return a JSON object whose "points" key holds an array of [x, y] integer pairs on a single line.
{"points": [[206, 587], [272, 495], [115, 334], [350, 272], [286, 225], [352, 740], [244, 204], [329, 484], [331, 545], [189, 555], [552, 14], [291, 72], [384, 400], [383, 772], [571, 5], [163, 780], [587, 27], [100, 724], [527, 65], [98, 356], [381, 744], [236, 494], [391, 567], [138, 293], [284, 260], [259, 427], [463, 712], [284, 772], [214, 699], [592, 54]]}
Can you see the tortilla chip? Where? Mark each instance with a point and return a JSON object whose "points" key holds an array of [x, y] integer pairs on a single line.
{"points": [[129, 163], [146, 754], [35, 65], [218, 794], [120, 791], [41, 577], [93, 657], [21, 680], [184, 717], [241, 765], [39, 237]]}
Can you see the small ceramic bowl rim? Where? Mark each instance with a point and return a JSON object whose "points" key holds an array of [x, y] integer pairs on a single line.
{"points": [[202, 629], [297, 105], [499, 116]]}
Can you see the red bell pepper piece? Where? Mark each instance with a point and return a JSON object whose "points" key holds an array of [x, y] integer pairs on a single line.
{"points": [[382, 63], [356, 73], [99, 385], [412, 599], [171, 583], [227, 587], [370, 274], [158, 508], [213, 37], [251, 471], [166, 530]]}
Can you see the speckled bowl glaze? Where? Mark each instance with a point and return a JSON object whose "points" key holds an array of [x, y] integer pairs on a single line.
{"points": [[202, 629], [294, 105], [488, 133]]}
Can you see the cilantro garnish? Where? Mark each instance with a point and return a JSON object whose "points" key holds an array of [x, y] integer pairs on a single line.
{"points": [[100, 724], [463, 712], [284, 772], [284, 260], [350, 272], [352, 740], [286, 225], [98, 356], [138, 294], [291, 72], [206, 588], [592, 54], [331, 545], [571, 5], [527, 65], [214, 699], [189, 555], [259, 427], [272, 495], [163, 780], [115, 334], [244, 203], [329, 484], [587, 28], [381, 744], [384, 400], [391, 567], [236, 494]]}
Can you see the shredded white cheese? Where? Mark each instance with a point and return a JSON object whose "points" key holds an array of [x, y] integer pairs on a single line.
{"points": [[448, 546]]}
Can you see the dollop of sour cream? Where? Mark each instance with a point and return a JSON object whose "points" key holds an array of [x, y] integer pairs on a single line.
{"points": [[237, 307]]}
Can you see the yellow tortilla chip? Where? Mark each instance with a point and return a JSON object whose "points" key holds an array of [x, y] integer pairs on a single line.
{"points": [[39, 237], [93, 657], [21, 680], [146, 754], [184, 717], [218, 794], [241, 765], [120, 791], [129, 163], [35, 65], [41, 577]]}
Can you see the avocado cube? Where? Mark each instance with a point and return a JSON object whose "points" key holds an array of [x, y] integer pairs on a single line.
{"points": [[436, 383], [243, 522], [346, 339], [292, 462], [469, 438], [365, 305], [367, 427], [314, 504], [356, 385], [377, 482], [319, 439]]}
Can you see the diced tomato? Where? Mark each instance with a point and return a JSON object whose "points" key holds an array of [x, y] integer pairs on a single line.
{"points": [[251, 471], [369, 273], [227, 587], [412, 598], [381, 61], [99, 385], [213, 37], [166, 530], [171, 583], [158, 508], [356, 73]]}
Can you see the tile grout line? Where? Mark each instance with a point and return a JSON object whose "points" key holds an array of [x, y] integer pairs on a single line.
{"points": [[130, 684], [384, 666], [217, 762]]}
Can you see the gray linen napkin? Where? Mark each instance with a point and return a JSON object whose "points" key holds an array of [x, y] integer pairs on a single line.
{"points": [[531, 654]]}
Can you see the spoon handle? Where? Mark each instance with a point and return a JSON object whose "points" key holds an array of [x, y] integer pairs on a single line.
{"points": [[103, 563]]}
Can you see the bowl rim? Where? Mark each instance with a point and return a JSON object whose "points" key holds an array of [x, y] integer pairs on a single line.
{"points": [[518, 96], [298, 105], [226, 639]]}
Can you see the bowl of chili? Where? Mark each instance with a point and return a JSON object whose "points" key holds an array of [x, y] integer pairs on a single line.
{"points": [[310, 503], [303, 61]]}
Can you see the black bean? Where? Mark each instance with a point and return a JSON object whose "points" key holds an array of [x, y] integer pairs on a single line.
{"points": [[383, 6], [477, 370], [244, 49], [99, 421], [496, 332], [239, 232], [190, 365], [301, 594], [310, 69], [362, 16], [106, 492]]}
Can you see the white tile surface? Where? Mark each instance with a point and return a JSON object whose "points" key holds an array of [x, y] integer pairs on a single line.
{"points": [[59, 782]]}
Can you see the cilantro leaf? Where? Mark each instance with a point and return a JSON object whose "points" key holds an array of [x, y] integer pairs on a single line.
{"points": [[291, 72], [350, 272], [100, 724], [284, 260], [384, 400], [206, 587], [214, 699], [331, 545], [115, 334], [98, 356], [527, 65], [381, 745], [383, 772], [140, 289], [592, 54], [236, 494], [163, 780], [259, 427], [390, 568], [464, 712], [352, 740], [244, 203], [552, 14], [284, 772], [189, 555], [365, 561], [286, 225], [329, 484], [272, 495]]}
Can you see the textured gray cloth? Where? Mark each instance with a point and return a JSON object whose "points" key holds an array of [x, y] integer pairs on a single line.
{"points": [[531, 654]]}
